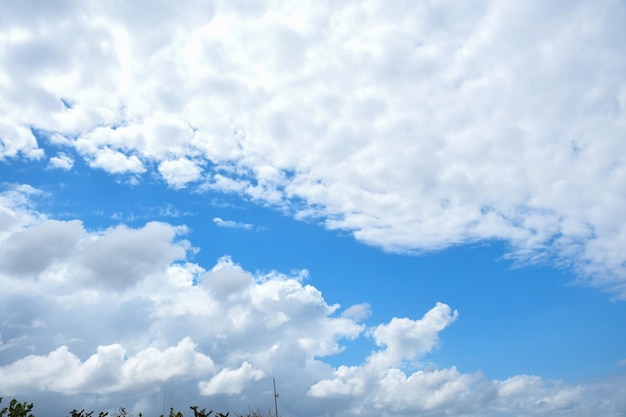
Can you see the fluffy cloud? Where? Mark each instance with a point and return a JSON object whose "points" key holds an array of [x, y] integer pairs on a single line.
{"points": [[17, 139], [61, 161], [108, 370], [62, 252], [414, 127], [179, 172], [403, 340], [219, 334], [116, 162], [408, 339], [230, 381]]}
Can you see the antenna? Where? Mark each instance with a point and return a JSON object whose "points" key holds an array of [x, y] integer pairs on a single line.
{"points": [[275, 397]]}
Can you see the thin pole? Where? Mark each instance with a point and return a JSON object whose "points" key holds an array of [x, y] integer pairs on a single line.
{"points": [[275, 397]]}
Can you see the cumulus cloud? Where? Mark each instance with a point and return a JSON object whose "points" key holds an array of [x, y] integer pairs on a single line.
{"points": [[63, 252], [62, 161], [30, 251], [404, 338], [414, 127], [17, 139], [146, 319], [230, 381], [179, 172], [116, 162], [108, 370]]}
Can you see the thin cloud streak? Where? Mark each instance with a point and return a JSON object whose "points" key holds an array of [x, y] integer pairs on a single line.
{"points": [[232, 224]]}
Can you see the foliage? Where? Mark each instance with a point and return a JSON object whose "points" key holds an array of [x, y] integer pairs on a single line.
{"points": [[201, 413], [82, 413], [175, 414], [17, 409], [121, 413]]}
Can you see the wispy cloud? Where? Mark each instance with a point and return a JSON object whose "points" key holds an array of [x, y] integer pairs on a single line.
{"points": [[232, 224]]}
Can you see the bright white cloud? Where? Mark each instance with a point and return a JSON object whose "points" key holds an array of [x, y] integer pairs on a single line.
{"points": [[414, 127], [15, 139], [108, 370], [116, 162], [230, 381], [404, 338], [123, 313], [62, 161], [179, 172]]}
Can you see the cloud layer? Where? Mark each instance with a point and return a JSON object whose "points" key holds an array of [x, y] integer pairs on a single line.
{"points": [[81, 330], [414, 126]]}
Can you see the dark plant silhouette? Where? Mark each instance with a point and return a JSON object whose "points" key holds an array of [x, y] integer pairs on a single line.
{"points": [[121, 412], [175, 414], [17, 409], [200, 413], [82, 413]]}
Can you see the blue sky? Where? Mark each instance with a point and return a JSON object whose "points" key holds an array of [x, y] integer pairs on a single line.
{"points": [[407, 209]]}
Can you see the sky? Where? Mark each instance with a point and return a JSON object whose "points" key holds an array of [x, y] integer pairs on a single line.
{"points": [[407, 208]]}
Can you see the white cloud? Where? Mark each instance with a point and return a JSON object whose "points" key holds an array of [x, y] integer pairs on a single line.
{"points": [[404, 338], [123, 314], [108, 370], [16, 209], [231, 224], [436, 390], [30, 251], [358, 312], [121, 257], [226, 279], [63, 253], [116, 162], [230, 381], [62, 161], [179, 172], [413, 127], [15, 139]]}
